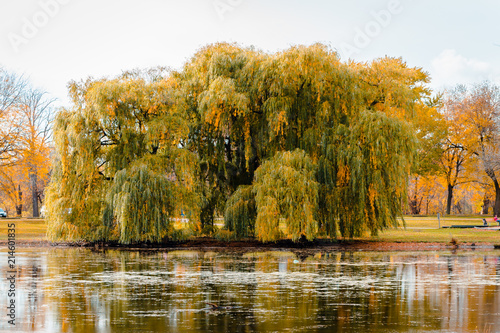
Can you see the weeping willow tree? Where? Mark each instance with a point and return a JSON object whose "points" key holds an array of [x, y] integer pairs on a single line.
{"points": [[289, 144], [121, 170]]}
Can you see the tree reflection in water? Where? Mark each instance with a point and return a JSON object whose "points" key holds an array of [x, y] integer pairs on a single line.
{"points": [[79, 290]]}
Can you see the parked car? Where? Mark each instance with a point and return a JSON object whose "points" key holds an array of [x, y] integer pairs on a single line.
{"points": [[3, 213]]}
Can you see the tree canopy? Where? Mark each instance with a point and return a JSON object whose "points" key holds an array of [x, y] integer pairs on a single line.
{"points": [[25, 135], [294, 144]]}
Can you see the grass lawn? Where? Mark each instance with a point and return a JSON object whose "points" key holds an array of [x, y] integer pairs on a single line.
{"points": [[439, 235], [418, 229], [425, 229], [26, 229], [431, 222]]}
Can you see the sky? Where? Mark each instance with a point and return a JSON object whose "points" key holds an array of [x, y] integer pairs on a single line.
{"points": [[53, 42]]}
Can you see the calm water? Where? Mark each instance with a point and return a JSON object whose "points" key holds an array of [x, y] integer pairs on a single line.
{"points": [[79, 290]]}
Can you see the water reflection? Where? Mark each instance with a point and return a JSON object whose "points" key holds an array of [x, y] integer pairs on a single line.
{"points": [[79, 290]]}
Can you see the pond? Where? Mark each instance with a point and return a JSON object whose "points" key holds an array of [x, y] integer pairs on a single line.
{"points": [[81, 290]]}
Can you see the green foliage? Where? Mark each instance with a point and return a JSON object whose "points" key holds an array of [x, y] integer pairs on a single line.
{"points": [[363, 172], [309, 90], [140, 202], [241, 212], [224, 235], [285, 188]]}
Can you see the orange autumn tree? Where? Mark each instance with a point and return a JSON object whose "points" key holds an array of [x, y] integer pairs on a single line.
{"points": [[478, 109], [458, 148], [35, 139], [473, 140], [400, 91], [24, 141], [12, 185]]}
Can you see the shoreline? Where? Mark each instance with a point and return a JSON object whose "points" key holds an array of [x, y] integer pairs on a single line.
{"points": [[252, 245]]}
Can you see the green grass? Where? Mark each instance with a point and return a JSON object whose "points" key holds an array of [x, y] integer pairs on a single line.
{"points": [[425, 229], [439, 235], [431, 222], [26, 229], [418, 229]]}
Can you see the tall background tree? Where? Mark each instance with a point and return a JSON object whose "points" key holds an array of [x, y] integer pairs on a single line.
{"points": [[457, 152], [12, 89], [473, 113], [481, 114], [25, 138]]}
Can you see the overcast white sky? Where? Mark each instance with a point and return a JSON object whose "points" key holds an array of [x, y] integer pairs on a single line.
{"points": [[55, 41]]}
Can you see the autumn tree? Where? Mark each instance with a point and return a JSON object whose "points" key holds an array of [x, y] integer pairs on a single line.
{"points": [[12, 88], [425, 194], [479, 111], [12, 184], [297, 141], [26, 114], [456, 151], [11, 92], [35, 139]]}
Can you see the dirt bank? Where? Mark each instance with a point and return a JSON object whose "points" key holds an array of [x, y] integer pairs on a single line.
{"points": [[206, 243]]}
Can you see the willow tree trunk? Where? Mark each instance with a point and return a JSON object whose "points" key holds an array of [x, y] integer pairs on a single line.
{"points": [[449, 199]]}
